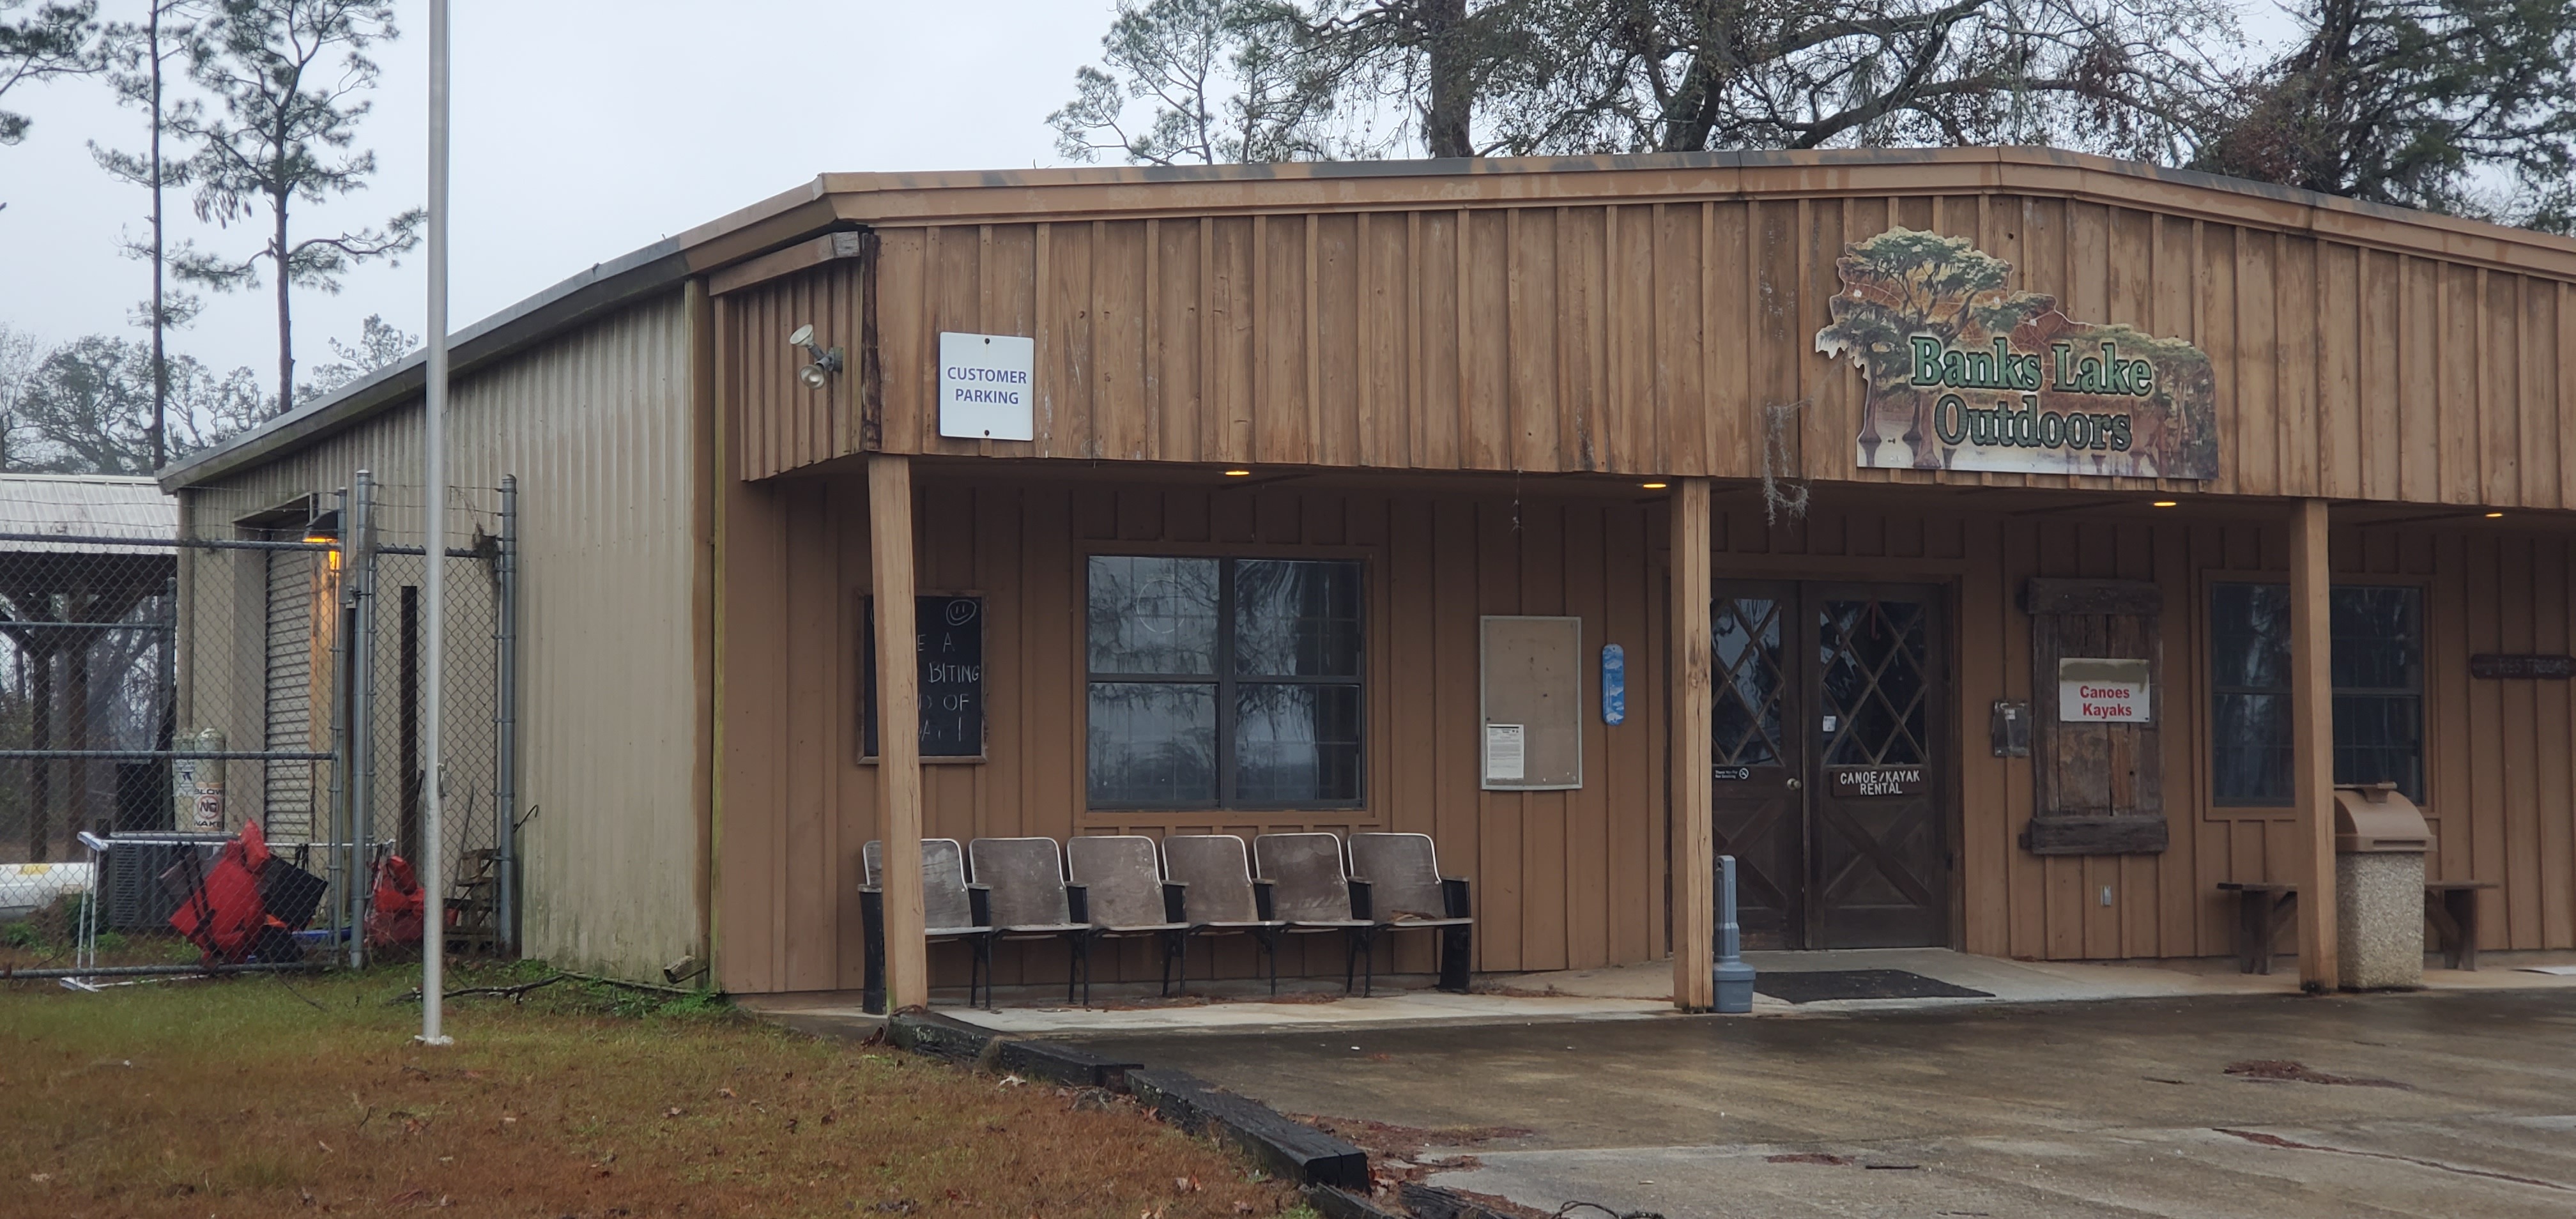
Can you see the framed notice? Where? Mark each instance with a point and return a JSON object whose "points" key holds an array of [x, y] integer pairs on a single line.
{"points": [[1531, 734]]}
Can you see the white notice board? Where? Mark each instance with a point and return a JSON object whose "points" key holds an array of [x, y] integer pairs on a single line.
{"points": [[1531, 734], [987, 386]]}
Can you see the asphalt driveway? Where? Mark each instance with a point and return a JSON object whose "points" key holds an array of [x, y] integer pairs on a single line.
{"points": [[2426, 1104]]}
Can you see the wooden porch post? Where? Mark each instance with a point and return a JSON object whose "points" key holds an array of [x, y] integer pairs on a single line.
{"points": [[1694, 850], [2312, 737], [898, 740]]}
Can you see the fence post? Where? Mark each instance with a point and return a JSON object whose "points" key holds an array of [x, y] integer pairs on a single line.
{"points": [[343, 878], [361, 565], [505, 835]]}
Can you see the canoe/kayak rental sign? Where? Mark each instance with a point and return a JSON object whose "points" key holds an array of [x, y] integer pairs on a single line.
{"points": [[1965, 373]]}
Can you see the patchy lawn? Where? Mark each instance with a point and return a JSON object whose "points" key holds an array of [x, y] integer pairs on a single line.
{"points": [[272, 1096]]}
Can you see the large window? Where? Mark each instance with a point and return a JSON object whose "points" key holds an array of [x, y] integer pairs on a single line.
{"points": [[2378, 674], [1223, 683]]}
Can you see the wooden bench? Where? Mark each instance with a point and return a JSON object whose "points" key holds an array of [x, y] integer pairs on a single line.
{"points": [[2264, 907], [2451, 906]]}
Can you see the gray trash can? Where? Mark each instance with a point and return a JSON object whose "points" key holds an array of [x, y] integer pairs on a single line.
{"points": [[2380, 841]]}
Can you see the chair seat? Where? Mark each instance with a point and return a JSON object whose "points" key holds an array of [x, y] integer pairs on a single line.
{"points": [[956, 933], [1044, 929], [1252, 925], [1139, 928], [1330, 924], [1403, 923]]}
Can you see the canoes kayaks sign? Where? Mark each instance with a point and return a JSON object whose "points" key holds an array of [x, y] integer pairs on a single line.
{"points": [[1967, 374]]}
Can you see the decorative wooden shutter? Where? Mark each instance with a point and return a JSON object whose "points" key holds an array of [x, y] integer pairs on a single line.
{"points": [[2100, 785]]}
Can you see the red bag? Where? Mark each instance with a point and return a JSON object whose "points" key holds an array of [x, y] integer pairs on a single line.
{"points": [[225, 916], [395, 918]]}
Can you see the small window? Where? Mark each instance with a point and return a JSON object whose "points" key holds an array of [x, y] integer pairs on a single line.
{"points": [[1223, 683], [2378, 675]]}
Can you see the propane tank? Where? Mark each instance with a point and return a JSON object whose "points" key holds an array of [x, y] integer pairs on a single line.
{"points": [[197, 784]]}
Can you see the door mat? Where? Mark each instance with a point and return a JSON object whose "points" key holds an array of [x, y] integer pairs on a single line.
{"points": [[1820, 985]]}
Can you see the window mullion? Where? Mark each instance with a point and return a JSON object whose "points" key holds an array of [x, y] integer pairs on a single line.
{"points": [[1225, 700]]}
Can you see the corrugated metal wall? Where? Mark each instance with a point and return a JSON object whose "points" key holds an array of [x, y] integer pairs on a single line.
{"points": [[596, 425], [1649, 337]]}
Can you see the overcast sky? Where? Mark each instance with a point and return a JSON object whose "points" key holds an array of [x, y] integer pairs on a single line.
{"points": [[584, 130]]}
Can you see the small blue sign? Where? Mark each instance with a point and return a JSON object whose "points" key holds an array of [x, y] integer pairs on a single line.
{"points": [[1614, 684]]}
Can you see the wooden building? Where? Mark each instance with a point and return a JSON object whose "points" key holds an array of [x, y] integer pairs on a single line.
{"points": [[2003, 547]]}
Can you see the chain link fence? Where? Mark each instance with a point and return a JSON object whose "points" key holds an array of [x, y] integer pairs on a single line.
{"points": [[212, 743]]}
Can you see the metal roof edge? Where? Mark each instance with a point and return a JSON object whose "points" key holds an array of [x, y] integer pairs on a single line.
{"points": [[605, 286]]}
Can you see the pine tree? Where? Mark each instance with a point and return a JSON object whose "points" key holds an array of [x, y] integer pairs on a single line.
{"points": [[284, 77]]}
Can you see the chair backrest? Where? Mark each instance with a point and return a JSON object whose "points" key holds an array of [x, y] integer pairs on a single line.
{"points": [[1123, 881], [1402, 873], [943, 881], [1217, 873], [1026, 877], [1305, 873]]}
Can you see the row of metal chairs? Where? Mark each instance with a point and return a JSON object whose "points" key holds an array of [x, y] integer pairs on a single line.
{"points": [[1190, 886]]}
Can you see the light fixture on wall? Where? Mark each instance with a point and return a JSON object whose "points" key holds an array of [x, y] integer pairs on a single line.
{"points": [[2168, 503], [1654, 486], [817, 374]]}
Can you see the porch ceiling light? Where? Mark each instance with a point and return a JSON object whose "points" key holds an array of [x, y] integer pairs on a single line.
{"points": [[1654, 486], [1238, 474], [2495, 516], [2168, 503], [817, 374]]}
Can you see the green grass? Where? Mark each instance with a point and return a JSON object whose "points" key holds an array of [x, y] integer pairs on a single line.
{"points": [[273, 1094]]}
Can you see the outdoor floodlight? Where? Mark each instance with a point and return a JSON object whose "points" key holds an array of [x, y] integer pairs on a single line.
{"points": [[817, 374]]}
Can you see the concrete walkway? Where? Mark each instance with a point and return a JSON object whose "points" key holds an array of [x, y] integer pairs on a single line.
{"points": [[2437, 1103], [1632, 992]]}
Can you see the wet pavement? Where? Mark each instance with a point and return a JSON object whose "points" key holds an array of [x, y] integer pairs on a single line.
{"points": [[2428, 1104]]}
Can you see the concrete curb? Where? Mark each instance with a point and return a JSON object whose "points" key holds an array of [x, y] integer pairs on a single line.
{"points": [[1335, 1172], [1292, 1149]]}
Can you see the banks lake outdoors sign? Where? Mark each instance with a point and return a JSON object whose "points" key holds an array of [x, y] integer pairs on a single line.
{"points": [[1966, 374], [2103, 691]]}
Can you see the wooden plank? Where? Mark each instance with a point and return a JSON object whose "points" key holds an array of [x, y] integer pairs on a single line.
{"points": [[890, 544], [2552, 727], [1986, 833], [2519, 746], [1694, 854], [1122, 424], [2258, 362], [1505, 814], [2536, 330], [2312, 743], [2336, 398], [2499, 397]]}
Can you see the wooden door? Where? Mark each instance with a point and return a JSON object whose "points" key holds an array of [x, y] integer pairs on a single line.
{"points": [[1879, 858], [1758, 810]]}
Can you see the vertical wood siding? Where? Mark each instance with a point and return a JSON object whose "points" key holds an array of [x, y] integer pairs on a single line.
{"points": [[1563, 879], [596, 425], [1656, 337], [1579, 878]]}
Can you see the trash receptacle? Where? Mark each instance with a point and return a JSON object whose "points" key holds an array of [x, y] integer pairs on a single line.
{"points": [[2380, 841]]}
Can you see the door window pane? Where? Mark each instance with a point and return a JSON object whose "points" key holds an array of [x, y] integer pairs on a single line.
{"points": [[1153, 615], [1296, 744], [1152, 743], [1746, 714]]}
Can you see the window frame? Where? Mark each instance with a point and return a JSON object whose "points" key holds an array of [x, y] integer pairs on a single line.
{"points": [[1225, 680], [2203, 634]]}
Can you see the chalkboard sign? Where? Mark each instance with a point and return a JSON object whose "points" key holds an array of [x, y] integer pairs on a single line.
{"points": [[950, 631]]}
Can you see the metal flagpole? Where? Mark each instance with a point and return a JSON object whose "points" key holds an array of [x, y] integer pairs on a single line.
{"points": [[433, 935]]}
